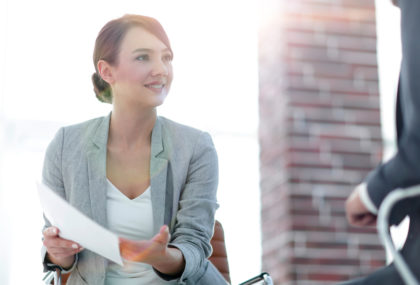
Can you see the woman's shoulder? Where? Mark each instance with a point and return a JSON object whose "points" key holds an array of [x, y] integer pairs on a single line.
{"points": [[85, 127], [180, 133], [178, 128], [79, 134], [184, 137]]}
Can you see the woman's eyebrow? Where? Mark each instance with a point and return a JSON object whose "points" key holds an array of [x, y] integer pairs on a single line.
{"points": [[148, 50], [142, 50]]}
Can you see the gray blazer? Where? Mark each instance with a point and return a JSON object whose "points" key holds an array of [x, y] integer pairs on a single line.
{"points": [[183, 178]]}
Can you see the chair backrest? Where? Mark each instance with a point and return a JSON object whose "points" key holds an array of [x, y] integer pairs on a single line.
{"points": [[218, 257], [383, 229]]}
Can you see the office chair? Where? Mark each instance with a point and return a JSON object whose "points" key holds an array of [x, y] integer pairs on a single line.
{"points": [[220, 260], [219, 254]]}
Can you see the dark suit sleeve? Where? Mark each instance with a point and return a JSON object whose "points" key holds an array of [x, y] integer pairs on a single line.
{"points": [[403, 170]]}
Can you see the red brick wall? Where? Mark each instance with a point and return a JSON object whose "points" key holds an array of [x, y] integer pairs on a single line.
{"points": [[319, 136]]}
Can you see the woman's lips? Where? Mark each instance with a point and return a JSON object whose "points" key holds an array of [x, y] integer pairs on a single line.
{"points": [[155, 87]]}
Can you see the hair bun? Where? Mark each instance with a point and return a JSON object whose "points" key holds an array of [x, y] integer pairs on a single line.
{"points": [[101, 88]]}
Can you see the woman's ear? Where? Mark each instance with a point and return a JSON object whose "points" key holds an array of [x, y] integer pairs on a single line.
{"points": [[105, 71]]}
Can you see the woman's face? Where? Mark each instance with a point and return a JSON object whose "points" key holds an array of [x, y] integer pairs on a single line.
{"points": [[143, 73]]}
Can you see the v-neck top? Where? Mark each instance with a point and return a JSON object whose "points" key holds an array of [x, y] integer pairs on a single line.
{"points": [[131, 219]]}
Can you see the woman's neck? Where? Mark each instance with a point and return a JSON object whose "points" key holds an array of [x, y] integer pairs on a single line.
{"points": [[131, 128]]}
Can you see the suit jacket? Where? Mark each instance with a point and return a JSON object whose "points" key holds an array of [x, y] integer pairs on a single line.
{"points": [[403, 170], [183, 178]]}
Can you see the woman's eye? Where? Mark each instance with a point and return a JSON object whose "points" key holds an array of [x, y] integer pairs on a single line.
{"points": [[143, 57], [167, 58]]}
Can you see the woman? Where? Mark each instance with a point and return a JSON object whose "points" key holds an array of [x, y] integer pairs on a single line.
{"points": [[148, 179]]}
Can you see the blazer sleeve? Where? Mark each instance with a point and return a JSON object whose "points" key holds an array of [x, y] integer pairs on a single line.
{"points": [[52, 177], [51, 172], [197, 206], [403, 170]]}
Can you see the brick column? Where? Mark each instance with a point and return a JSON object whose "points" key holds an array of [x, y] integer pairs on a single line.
{"points": [[319, 135]]}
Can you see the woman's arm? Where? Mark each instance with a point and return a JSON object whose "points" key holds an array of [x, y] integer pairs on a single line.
{"points": [[57, 250], [194, 225]]}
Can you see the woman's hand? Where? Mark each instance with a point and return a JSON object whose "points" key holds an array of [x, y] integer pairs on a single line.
{"points": [[60, 251], [146, 251], [154, 252]]}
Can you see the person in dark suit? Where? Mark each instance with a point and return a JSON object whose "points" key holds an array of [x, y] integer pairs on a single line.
{"points": [[403, 170]]}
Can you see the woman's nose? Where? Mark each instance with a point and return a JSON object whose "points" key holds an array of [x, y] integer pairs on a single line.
{"points": [[160, 68]]}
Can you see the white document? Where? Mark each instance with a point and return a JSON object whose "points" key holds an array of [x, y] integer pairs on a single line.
{"points": [[75, 226]]}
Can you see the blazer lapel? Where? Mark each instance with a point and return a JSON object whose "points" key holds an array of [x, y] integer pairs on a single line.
{"points": [[158, 173], [97, 171]]}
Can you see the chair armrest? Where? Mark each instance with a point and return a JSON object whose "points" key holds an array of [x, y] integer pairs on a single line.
{"points": [[262, 277]]}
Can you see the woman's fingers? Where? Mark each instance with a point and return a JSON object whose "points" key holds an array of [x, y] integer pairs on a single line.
{"points": [[57, 243], [62, 252], [163, 236], [57, 246], [50, 232]]}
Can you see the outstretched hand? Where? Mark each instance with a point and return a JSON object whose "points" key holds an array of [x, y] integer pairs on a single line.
{"points": [[146, 251], [357, 213]]}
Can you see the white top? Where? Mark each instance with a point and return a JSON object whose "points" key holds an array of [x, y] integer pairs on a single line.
{"points": [[131, 219]]}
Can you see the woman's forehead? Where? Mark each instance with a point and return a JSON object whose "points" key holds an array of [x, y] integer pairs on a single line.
{"points": [[138, 38]]}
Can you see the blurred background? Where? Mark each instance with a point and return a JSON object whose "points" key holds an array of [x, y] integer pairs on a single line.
{"points": [[298, 96]]}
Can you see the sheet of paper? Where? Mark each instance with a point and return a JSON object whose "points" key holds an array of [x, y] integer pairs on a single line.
{"points": [[77, 227]]}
